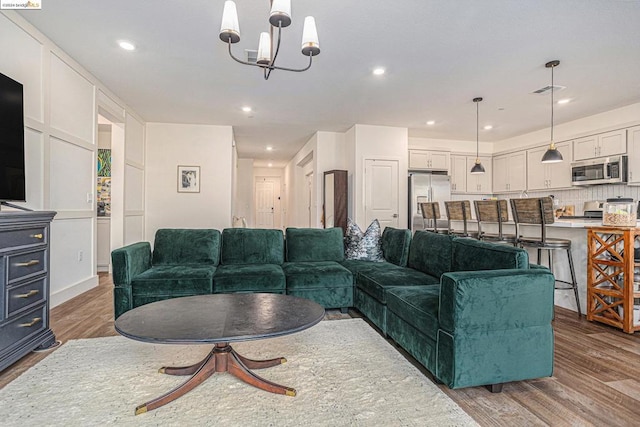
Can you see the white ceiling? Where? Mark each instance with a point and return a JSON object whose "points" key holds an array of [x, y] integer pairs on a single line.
{"points": [[439, 55]]}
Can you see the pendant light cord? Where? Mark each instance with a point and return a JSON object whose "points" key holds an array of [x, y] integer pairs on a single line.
{"points": [[477, 131], [552, 90]]}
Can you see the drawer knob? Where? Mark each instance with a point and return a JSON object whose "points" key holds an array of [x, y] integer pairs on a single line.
{"points": [[37, 236], [28, 263], [30, 324], [29, 294]]}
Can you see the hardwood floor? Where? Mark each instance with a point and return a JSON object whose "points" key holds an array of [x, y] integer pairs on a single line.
{"points": [[596, 379]]}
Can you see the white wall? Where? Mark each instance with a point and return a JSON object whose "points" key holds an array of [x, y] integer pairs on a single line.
{"points": [[301, 164], [170, 145], [244, 191], [61, 102], [379, 142], [323, 152]]}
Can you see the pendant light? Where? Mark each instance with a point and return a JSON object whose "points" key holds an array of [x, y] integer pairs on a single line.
{"points": [[477, 167], [552, 155]]}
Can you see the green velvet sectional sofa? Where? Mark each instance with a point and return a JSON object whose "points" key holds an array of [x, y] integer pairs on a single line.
{"points": [[473, 313]]}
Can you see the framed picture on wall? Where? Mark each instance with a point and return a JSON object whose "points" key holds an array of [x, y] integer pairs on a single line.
{"points": [[188, 179]]}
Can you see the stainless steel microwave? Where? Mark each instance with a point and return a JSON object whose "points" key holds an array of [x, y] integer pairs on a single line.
{"points": [[604, 170]]}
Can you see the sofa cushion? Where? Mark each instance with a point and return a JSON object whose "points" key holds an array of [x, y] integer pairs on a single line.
{"points": [[375, 283], [181, 246], [431, 253], [323, 274], [175, 280], [252, 246], [416, 305], [474, 255], [356, 266], [249, 278], [395, 245], [314, 244], [363, 246]]}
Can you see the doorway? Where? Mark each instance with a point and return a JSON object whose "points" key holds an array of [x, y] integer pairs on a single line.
{"points": [[381, 192], [267, 202], [109, 199]]}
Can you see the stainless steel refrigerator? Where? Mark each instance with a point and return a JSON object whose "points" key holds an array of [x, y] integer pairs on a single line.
{"points": [[427, 187]]}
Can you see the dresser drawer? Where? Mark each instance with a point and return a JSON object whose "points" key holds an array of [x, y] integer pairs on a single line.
{"points": [[23, 237], [26, 264], [25, 295], [22, 327]]}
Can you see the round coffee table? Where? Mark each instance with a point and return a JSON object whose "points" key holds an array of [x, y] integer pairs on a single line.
{"points": [[219, 319]]}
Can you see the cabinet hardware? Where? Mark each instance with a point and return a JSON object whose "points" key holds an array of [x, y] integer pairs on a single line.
{"points": [[29, 294], [28, 263], [30, 324], [37, 236], [395, 215]]}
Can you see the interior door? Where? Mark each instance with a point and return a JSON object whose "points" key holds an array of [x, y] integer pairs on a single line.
{"points": [[381, 192], [267, 206]]}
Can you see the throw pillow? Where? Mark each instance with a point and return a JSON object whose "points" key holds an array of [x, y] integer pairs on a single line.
{"points": [[365, 246]]}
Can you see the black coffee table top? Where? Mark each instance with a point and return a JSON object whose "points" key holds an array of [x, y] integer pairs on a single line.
{"points": [[219, 318]]}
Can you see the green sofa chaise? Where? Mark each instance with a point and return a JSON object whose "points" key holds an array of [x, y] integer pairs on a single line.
{"points": [[473, 313]]}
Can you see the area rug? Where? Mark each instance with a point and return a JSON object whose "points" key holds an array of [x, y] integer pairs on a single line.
{"points": [[345, 374]]}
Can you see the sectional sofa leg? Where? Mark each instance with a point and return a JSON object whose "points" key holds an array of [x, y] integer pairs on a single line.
{"points": [[495, 388], [344, 310]]}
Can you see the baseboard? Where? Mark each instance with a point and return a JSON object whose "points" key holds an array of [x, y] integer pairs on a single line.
{"points": [[72, 291]]}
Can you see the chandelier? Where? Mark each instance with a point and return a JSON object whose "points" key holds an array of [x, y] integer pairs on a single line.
{"points": [[279, 18]]}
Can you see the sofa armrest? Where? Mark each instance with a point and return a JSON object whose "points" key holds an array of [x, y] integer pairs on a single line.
{"points": [[495, 300], [129, 261]]}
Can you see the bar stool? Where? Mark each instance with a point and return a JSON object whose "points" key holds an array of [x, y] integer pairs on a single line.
{"points": [[539, 211], [496, 212], [430, 216], [458, 211]]}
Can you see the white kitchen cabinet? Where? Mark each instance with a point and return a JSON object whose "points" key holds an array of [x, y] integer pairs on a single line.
{"points": [[633, 142], [458, 173], [541, 176], [479, 183], [600, 145], [429, 159], [510, 172]]}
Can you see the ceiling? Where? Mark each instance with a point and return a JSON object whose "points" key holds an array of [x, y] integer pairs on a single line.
{"points": [[438, 55]]}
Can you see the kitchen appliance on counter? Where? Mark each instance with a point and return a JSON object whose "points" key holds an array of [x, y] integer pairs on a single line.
{"points": [[427, 187], [605, 170], [592, 210], [620, 212]]}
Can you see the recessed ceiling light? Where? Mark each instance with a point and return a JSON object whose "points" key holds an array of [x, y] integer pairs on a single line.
{"points": [[269, 148], [246, 109], [431, 122], [378, 71], [270, 164], [126, 45], [488, 127], [564, 101]]}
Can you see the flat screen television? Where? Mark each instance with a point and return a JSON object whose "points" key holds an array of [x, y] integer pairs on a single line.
{"points": [[12, 177]]}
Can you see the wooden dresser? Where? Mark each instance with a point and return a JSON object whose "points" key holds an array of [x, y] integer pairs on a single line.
{"points": [[24, 284]]}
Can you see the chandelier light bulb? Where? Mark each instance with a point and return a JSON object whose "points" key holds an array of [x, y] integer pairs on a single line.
{"points": [[230, 28], [310, 42], [264, 49], [280, 13]]}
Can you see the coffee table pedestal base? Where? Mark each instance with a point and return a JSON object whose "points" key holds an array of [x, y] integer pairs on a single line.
{"points": [[223, 358]]}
